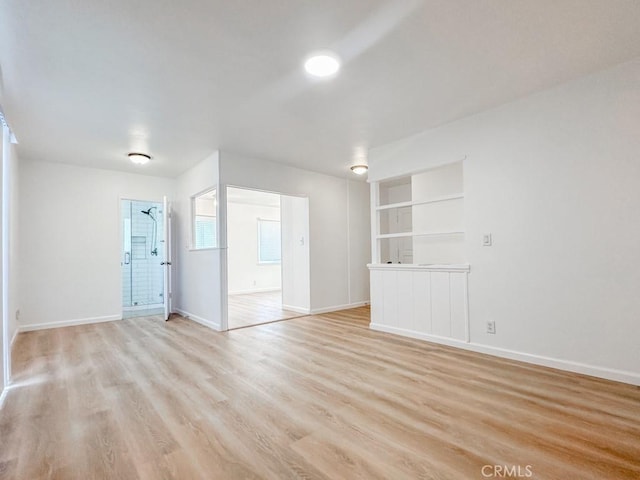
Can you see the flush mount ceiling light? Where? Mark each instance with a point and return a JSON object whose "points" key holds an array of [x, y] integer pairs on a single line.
{"points": [[359, 169], [139, 158], [322, 64]]}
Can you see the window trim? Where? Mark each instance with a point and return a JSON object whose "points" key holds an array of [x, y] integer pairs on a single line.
{"points": [[192, 243]]}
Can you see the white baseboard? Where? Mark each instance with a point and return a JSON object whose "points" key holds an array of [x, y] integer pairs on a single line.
{"points": [[136, 308], [13, 339], [576, 367], [68, 323], [304, 311], [3, 396], [254, 290], [336, 308], [202, 321]]}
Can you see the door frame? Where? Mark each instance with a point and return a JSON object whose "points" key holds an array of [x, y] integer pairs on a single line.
{"points": [[168, 257], [5, 239], [222, 236], [128, 198]]}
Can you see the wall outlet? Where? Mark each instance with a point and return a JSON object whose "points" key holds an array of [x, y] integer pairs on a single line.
{"points": [[17, 314], [486, 240], [491, 327]]}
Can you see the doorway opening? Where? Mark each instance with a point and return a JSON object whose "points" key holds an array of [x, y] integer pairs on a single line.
{"points": [[142, 257], [263, 260]]}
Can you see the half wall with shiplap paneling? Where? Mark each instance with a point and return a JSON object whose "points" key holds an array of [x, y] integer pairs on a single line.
{"points": [[422, 301]]}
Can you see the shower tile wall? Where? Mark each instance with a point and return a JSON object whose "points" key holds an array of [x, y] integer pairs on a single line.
{"points": [[143, 277]]}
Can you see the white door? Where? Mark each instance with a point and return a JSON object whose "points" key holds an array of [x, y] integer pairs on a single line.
{"points": [[166, 261]]}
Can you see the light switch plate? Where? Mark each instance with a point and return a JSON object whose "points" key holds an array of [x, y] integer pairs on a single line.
{"points": [[486, 240]]}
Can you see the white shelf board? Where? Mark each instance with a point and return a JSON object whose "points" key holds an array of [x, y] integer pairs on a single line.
{"points": [[414, 234], [395, 235], [395, 205], [453, 267], [411, 203]]}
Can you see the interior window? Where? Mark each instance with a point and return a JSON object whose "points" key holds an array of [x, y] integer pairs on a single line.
{"points": [[204, 208]]}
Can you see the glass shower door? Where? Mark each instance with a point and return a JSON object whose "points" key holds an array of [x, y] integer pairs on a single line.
{"points": [[142, 256]]}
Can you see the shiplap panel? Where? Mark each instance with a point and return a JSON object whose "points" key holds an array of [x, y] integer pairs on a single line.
{"points": [[440, 304], [405, 299], [421, 302], [457, 284], [390, 299], [377, 296], [429, 300]]}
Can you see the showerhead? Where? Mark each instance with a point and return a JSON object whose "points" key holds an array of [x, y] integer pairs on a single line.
{"points": [[148, 212]]}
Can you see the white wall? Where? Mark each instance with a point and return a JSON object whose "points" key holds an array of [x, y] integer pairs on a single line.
{"points": [[554, 178], [69, 231], [14, 242], [337, 230], [69, 238], [245, 274], [359, 245], [296, 291], [197, 273]]}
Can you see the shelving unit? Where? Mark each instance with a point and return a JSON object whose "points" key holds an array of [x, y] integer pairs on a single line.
{"points": [[421, 202], [419, 218], [419, 270]]}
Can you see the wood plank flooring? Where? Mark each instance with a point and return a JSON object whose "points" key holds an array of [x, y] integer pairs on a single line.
{"points": [[256, 308], [317, 397]]}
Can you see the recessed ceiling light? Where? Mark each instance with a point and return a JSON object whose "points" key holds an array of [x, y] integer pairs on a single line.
{"points": [[139, 158], [322, 64], [359, 169]]}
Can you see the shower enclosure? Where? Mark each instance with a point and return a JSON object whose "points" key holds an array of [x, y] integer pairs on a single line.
{"points": [[142, 258]]}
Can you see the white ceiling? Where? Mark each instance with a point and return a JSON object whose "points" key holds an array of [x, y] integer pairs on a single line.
{"points": [[86, 81]]}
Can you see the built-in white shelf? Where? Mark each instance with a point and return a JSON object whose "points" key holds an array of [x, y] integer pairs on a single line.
{"points": [[395, 235], [417, 224], [418, 234], [419, 218], [411, 203]]}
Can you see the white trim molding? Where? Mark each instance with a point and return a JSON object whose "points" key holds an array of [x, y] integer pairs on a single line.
{"points": [[304, 311], [567, 365], [202, 321], [136, 308], [3, 396], [254, 290], [336, 308], [68, 323]]}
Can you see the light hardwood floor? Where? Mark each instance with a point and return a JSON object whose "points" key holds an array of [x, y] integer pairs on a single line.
{"points": [[315, 397], [256, 308]]}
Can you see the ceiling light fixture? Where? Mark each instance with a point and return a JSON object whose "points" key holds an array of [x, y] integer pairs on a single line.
{"points": [[322, 64], [359, 169], [139, 158]]}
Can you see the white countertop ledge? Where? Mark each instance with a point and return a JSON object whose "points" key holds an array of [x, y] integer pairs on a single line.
{"points": [[451, 267]]}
